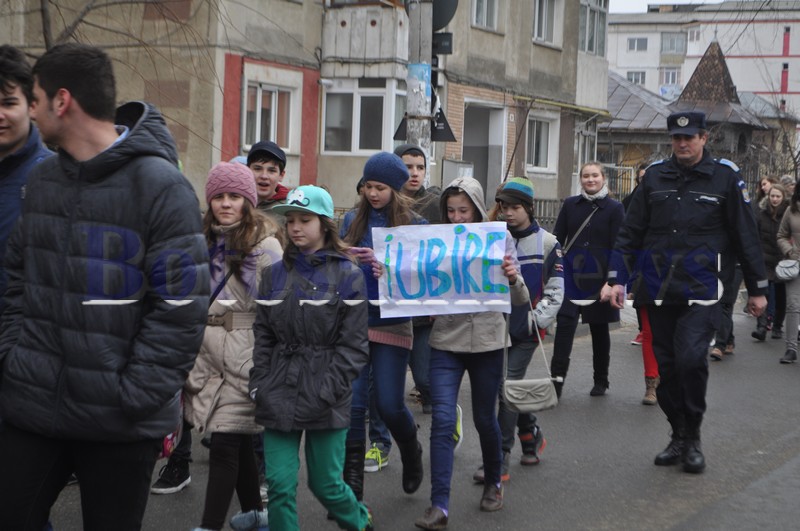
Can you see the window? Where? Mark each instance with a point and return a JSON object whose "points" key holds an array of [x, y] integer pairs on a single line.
{"points": [[538, 143], [637, 78], [592, 27], [637, 44], [544, 20], [484, 13], [670, 76], [673, 43], [694, 34], [361, 114], [267, 114]]}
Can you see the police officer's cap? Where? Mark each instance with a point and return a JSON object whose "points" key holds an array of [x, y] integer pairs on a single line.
{"points": [[686, 123]]}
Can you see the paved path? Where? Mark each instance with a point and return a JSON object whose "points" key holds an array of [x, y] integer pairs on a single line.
{"points": [[597, 470]]}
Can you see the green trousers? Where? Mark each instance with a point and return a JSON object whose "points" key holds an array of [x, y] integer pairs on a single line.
{"points": [[325, 462]]}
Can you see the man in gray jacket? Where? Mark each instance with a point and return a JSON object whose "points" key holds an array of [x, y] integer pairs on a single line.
{"points": [[106, 302]]}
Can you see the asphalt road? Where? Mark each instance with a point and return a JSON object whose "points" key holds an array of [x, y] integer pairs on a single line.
{"points": [[597, 471]]}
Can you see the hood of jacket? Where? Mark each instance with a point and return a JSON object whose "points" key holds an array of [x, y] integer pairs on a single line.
{"points": [[148, 135], [474, 191]]}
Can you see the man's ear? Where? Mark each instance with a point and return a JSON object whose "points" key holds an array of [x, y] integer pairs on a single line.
{"points": [[62, 101]]}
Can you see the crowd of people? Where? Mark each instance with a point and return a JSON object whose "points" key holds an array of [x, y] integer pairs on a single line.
{"points": [[130, 312]]}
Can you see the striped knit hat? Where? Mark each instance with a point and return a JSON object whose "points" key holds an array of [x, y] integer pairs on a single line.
{"points": [[233, 178], [515, 191]]}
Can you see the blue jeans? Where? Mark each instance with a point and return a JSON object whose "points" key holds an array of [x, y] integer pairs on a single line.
{"points": [[388, 364], [485, 374], [378, 432], [420, 362], [519, 356]]}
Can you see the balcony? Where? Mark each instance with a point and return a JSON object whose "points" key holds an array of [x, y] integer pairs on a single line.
{"points": [[364, 40]]}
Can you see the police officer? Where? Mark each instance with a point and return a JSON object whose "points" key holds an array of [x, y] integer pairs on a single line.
{"points": [[687, 223]]}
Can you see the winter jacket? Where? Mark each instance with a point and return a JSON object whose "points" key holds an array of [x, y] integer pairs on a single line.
{"points": [[539, 255], [13, 175], [484, 331], [586, 262], [789, 234], [217, 395], [377, 218], [426, 204], [125, 227], [769, 220], [279, 198], [310, 346], [678, 227]]}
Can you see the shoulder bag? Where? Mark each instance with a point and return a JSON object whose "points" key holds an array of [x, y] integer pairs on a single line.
{"points": [[528, 396], [787, 270]]}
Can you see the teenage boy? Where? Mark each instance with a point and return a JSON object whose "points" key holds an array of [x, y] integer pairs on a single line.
{"points": [[268, 164]]}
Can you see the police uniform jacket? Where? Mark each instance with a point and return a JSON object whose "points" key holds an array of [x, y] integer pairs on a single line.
{"points": [[678, 224]]}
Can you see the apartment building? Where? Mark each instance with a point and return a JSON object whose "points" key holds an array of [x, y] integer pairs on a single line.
{"points": [[660, 49], [326, 79]]}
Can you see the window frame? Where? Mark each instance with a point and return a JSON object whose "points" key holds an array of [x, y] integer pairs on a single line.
{"points": [[550, 8], [677, 37], [640, 74], [490, 9], [636, 41], [390, 93], [275, 107], [671, 71], [552, 119], [593, 16]]}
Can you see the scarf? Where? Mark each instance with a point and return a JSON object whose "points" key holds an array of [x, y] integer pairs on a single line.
{"points": [[599, 195], [219, 255]]}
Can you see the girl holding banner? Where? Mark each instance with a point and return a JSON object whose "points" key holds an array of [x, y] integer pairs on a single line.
{"points": [[472, 343], [390, 340]]}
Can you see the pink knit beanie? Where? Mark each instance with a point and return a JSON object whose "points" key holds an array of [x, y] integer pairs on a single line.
{"points": [[233, 178]]}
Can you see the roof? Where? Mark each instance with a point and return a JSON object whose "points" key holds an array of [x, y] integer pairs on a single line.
{"points": [[686, 13], [711, 90], [764, 109], [634, 108]]}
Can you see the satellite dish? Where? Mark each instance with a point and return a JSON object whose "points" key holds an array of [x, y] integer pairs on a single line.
{"points": [[443, 11]]}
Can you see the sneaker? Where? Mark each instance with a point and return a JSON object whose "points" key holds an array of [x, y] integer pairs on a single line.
{"points": [[789, 357], [716, 354], [250, 520], [479, 476], [73, 480], [729, 348], [458, 435], [532, 444], [263, 491], [638, 340], [777, 333], [173, 477], [376, 458]]}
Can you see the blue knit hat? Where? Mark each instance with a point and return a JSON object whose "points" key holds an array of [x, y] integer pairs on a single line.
{"points": [[515, 191], [386, 168]]}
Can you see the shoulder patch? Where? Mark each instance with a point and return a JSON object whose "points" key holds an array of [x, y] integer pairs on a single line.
{"points": [[656, 163], [729, 164], [743, 188]]}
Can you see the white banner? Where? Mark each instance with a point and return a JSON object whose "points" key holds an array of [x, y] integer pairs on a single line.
{"points": [[442, 269]]}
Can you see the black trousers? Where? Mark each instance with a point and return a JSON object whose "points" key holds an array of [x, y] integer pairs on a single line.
{"points": [[681, 337], [114, 479], [562, 347], [231, 466]]}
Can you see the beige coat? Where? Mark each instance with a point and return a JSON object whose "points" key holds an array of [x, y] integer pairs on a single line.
{"points": [[216, 395], [477, 332], [789, 235]]}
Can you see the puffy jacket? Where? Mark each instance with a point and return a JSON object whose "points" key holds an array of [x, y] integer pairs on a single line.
{"points": [[122, 227], [310, 346], [769, 221], [789, 234], [679, 224], [217, 395], [484, 331], [13, 175]]}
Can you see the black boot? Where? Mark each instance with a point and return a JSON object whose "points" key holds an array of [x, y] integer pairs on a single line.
{"points": [[760, 333], [411, 455], [673, 453], [600, 387], [354, 467], [693, 460]]}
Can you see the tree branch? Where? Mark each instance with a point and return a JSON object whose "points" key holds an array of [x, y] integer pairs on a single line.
{"points": [[47, 31]]}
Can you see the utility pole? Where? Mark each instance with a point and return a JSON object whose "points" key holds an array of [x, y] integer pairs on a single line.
{"points": [[418, 82]]}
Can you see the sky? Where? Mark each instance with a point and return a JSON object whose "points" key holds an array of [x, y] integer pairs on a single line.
{"points": [[640, 6]]}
